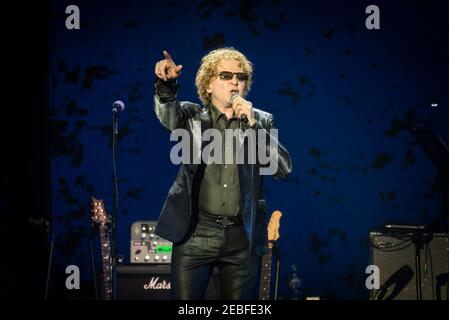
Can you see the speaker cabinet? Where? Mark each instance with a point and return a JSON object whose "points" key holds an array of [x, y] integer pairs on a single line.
{"points": [[153, 282], [143, 282], [395, 254]]}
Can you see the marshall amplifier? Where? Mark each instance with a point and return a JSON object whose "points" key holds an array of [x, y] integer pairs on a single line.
{"points": [[143, 282], [153, 282]]}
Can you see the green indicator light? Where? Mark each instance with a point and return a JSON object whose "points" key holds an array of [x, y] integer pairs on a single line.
{"points": [[163, 249]]}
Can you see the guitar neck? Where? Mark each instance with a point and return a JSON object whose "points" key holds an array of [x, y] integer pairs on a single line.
{"points": [[272, 237], [105, 253], [265, 277]]}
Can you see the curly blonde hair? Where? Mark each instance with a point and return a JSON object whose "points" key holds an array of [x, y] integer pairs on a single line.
{"points": [[208, 69]]}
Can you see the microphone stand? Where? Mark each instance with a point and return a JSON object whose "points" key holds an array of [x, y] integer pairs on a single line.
{"points": [[113, 233], [419, 237], [417, 241]]}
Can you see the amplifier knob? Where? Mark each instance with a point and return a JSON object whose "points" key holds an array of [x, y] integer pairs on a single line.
{"points": [[156, 257], [147, 258], [136, 258], [151, 235], [164, 258]]}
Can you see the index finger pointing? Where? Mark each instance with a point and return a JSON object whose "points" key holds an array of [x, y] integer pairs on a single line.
{"points": [[167, 55]]}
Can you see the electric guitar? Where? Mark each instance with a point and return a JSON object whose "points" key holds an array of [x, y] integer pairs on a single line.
{"points": [[100, 217], [273, 236]]}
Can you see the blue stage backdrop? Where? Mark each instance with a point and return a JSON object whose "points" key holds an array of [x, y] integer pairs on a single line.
{"points": [[342, 96]]}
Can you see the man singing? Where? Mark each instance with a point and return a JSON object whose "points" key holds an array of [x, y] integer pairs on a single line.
{"points": [[215, 212]]}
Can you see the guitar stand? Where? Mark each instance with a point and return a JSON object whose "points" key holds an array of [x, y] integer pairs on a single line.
{"points": [[50, 263]]}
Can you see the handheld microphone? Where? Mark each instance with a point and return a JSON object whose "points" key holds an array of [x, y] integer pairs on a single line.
{"points": [[118, 106], [234, 96]]}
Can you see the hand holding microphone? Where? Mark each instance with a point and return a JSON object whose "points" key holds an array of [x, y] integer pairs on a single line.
{"points": [[242, 108]]}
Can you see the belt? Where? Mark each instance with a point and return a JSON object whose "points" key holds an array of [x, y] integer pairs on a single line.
{"points": [[222, 220]]}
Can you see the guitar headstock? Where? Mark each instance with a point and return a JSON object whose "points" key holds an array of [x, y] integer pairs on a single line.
{"points": [[98, 212], [273, 226]]}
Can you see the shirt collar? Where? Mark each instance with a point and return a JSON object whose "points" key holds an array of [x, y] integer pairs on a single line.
{"points": [[215, 113]]}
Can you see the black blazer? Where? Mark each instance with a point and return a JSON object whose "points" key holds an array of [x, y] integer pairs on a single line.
{"points": [[178, 216]]}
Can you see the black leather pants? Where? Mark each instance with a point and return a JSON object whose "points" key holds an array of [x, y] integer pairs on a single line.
{"points": [[211, 244]]}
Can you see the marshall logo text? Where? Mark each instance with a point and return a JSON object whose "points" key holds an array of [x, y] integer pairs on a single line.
{"points": [[155, 284]]}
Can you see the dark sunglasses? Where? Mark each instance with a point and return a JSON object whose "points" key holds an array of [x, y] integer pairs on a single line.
{"points": [[228, 75]]}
